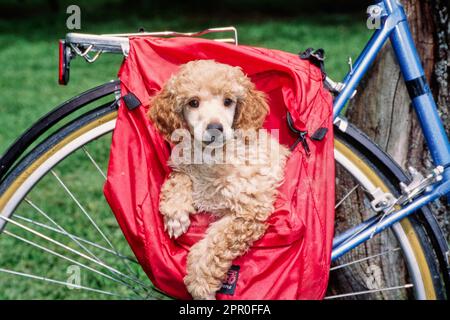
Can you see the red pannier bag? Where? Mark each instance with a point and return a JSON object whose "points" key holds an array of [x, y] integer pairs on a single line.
{"points": [[292, 260]]}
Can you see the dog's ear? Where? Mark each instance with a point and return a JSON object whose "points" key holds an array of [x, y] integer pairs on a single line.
{"points": [[164, 113], [252, 109]]}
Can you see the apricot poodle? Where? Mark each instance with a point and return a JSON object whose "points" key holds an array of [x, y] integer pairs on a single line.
{"points": [[219, 108]]}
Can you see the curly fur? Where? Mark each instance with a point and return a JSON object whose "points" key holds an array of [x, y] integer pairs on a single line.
{"points": [[239, 192], [164, 113]]}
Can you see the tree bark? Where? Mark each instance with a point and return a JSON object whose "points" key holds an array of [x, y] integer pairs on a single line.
{"points": [[382, 110]]}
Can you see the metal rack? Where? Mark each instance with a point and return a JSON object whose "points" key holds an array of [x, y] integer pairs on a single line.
{"points": [[90, 46]]}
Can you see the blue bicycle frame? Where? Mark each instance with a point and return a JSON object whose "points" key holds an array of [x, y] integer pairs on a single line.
{"points": [[395, 27]]}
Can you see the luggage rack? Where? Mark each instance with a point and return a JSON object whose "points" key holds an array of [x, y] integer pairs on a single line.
{"points": [[91, 46]]}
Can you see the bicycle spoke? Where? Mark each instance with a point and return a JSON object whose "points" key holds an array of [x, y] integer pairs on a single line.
{"points": [[346, 196], [86, 152], [75, 286], [363, 259], [52, 252], [46, 216], [89, 218], [101, 263], [96, 245], [82, 209], [406, 286]]}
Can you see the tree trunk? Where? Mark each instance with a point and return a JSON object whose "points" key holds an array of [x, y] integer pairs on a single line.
{"points": [[382, 110]]}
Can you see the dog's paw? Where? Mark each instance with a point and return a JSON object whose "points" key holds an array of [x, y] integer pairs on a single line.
{"points": [[176, 224], [202, 279], [199, 288]]}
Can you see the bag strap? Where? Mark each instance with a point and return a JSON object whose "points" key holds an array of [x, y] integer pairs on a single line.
{"points": [[301, 135], [316, 57]]}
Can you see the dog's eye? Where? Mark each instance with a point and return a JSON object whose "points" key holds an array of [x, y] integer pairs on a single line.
{"points": [[227, 102], [193, 103]]}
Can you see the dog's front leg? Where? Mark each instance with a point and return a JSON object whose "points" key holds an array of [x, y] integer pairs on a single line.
{"points": [[175, 204], [210, 259]]}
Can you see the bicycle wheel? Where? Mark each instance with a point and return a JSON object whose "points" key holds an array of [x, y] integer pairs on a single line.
{"points": [[403, 262], [56, 227]]}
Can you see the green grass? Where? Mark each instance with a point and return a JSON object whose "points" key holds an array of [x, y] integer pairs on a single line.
{"points": [[28, 82]]}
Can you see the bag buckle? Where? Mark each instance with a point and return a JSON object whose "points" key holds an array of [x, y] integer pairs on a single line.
{"points": [[301, 135]]}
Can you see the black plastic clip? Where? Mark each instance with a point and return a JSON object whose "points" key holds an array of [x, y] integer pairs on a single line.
{"points": [[301, 135], [319, 134], [131, 101], [316, 57], [301, 138]]}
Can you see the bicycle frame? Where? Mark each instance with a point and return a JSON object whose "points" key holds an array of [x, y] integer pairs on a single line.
{"points": [[395, 27]]}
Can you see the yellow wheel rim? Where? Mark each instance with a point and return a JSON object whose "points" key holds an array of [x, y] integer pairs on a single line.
{"points": [[405, 223]]}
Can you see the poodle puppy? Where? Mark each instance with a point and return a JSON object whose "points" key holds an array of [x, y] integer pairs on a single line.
{"points": [[216, 102]]}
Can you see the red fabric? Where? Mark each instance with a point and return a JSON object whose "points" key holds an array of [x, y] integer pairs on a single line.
{"points": [[292, 260]]}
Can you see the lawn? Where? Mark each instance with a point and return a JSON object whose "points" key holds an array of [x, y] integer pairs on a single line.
{"points": [[28, 82]]}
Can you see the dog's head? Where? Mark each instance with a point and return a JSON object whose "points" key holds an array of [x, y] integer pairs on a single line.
{"points": [[209, 99]]}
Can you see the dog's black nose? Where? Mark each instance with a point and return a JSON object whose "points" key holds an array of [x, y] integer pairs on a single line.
{"points": [[215, 126]]}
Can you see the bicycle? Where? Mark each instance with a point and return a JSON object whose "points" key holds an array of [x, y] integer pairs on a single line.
{"points": [[411, 246]]}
